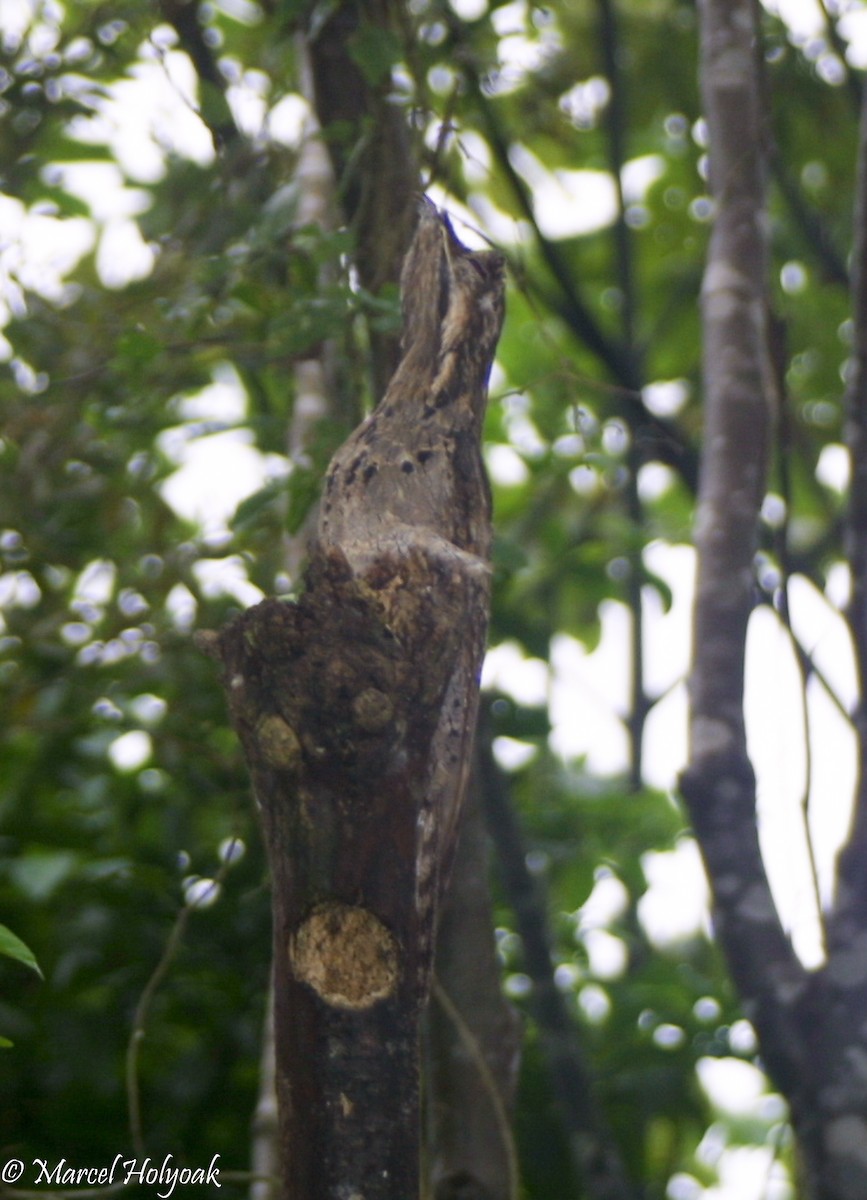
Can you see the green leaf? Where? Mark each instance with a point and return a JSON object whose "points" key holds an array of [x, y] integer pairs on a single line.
{"points": [[12, 947]]}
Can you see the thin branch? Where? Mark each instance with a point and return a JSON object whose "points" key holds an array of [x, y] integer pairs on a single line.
{"points": [[476, 1055], [594, 1149], [778, 362], [572, 306], [811, 667], [804, 672], [616, 132], [838, 45], [143, 1007], [139, 1025], [815, 231], [265, 1126], [812, 226], [659, 438], [214, 110]]}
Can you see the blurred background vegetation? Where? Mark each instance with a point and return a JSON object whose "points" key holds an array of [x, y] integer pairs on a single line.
{"points": [[161, 284]]}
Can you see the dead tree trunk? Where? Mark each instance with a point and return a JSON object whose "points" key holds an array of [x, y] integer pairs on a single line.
{"points": [[356, 707]]}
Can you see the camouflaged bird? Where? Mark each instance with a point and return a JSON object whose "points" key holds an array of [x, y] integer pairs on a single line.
{"points": [[410, 482], [415, 463]]}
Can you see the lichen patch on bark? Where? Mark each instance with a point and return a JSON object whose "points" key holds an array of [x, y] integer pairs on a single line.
{"points": [[278, 743], [346, 955]]}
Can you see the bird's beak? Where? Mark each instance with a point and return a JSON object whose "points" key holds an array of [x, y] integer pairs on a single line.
{"points": [[453, 247]]}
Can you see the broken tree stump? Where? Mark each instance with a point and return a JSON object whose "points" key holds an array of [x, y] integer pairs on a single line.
{"points": [[356, 708]]}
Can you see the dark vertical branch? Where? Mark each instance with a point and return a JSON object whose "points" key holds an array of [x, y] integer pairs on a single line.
{"points": [[573, 307], [805, 671], [639, 703], [719, 784], [185, 18], [474, 1036], [631, 379], [661, 438], [594, 1149], [616, 131], [805, 217], [813, 227], [838, 45], [374, 159], [852, 888]]}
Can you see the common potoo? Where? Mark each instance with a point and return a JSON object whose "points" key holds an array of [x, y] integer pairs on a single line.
{"points": [[415, 463], [409, 486]]}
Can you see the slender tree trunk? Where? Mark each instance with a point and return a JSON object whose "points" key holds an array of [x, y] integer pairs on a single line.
{"points": [[812, 1026], [719, 784]]}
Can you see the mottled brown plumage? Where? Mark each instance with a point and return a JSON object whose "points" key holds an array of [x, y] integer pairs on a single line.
{"points": [[414, 468], [406, 498]]}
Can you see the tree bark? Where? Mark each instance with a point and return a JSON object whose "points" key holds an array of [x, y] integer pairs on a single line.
{"points": [[355, 707], [596, 1156], [811, 1026], [474, 1036], [369, 141], [719, 785]]}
